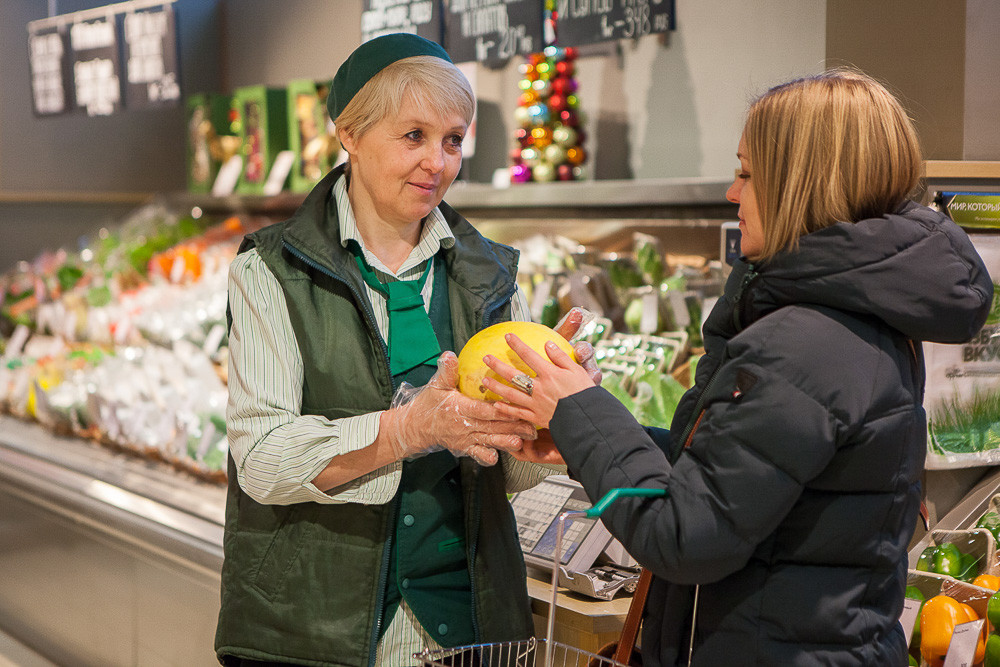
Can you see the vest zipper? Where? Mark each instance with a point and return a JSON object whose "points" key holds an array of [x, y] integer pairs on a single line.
{"points": [[382, 581], [394, 509], [369, 315], [472, 557], [699, 407]]}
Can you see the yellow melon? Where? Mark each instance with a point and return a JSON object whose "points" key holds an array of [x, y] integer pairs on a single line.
{"points": [[472, 370]]}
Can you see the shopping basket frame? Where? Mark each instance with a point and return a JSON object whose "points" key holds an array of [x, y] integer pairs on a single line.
{"points": [[524, 653]]}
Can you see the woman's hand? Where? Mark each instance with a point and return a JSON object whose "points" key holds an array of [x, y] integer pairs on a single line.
{"points": [[555, 378], [567, 328], [439, 414], [541, 450]]}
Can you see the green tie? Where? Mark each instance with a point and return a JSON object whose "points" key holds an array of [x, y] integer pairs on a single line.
{"points": [[412, 341]]}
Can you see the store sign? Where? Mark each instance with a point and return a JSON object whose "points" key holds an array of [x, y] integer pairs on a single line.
{"points": [[95, 66], [51, 92], [580, 22], [493, 31], [418, 17], [973, 209], [151, 58]]}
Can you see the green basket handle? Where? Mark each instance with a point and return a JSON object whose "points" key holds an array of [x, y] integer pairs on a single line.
{"points": [[614, 494]]}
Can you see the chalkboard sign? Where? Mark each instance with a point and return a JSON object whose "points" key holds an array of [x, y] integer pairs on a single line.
{"points": [[580, 22], [48, 53], [151, 58], [95, 66], [419, 17], [493, 31]]}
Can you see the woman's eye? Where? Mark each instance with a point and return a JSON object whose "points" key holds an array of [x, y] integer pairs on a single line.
{"points": [[414, 135], [455, 140], [744, 175]]}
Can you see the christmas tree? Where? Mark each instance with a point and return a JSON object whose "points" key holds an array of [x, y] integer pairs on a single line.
{"points": [[549, 137]]}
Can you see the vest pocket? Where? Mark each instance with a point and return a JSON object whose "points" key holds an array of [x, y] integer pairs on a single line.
{"points": [[281, 554]]}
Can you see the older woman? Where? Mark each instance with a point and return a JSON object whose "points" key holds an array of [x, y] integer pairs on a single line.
{"points": [[793, 466], [365, 519]]}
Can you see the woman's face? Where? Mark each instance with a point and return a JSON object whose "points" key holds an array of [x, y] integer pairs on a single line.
{"points": [[741, 192], [403, 165]]}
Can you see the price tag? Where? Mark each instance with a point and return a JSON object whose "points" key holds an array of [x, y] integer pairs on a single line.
{"points": [[650, 321], [909, 617], [229, 173], [279, 173], [213, 339], [962, 649], [17, 340]]}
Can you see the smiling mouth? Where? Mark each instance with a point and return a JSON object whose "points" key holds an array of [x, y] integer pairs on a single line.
{"points": [[424, 186]]}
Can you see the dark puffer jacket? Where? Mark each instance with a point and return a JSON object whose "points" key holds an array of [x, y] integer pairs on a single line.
{"points": [[798, 453]]}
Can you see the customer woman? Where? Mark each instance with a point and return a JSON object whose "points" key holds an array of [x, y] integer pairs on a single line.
{"points": [[793, 465], [364, 521]]}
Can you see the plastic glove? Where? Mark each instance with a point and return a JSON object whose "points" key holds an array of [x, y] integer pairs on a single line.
{"points": [[568, 328], [438, 416]]}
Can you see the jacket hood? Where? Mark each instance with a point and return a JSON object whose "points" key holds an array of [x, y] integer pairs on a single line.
{"points": [[915, 269]]}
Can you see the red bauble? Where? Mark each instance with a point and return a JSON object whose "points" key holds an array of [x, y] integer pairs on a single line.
{"points": [[564, 68], [569, 117], [515, 155], [571, 53], [564, 172], [524, 137], [558, 102]]}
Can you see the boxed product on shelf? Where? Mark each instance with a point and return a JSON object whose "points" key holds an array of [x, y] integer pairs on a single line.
{"points": [[210, 141], [261, 117], [310, 134]]}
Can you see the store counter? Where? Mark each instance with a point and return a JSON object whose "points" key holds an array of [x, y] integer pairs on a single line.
{"points": [[113, 559]]}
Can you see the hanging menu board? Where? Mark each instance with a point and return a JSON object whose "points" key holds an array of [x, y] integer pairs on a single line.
{"points": [[151, 58], [51, 93], [492, 31], [95, 66], [419, 17], [580, 22]]}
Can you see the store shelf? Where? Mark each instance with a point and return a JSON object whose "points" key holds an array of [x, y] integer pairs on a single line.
{"points": [[607, 197]]}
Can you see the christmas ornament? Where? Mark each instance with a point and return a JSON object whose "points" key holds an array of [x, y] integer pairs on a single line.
{"points": [[548, 142]]}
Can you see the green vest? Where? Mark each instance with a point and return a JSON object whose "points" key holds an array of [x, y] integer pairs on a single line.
{"points": [[306, 583]]}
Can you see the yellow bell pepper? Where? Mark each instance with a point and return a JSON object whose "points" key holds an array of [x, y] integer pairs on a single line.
{"points": [[938, 619]]}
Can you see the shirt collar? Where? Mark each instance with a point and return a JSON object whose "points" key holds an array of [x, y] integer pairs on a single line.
{"points": [[434, 234]]}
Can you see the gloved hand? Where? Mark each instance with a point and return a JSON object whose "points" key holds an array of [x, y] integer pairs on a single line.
{"points": [[437, 415], [568, 327]]}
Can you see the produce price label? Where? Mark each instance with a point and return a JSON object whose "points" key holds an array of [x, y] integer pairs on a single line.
{"points": [[51, 93], [151, 58], [493, 31], [419, 17], [962, 649], [580, 22], [973, 209], [95, 66]]}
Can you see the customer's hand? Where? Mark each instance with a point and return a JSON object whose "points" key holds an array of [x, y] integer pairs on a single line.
{"points": [[437, 414], [556, 377], [567, 328]]}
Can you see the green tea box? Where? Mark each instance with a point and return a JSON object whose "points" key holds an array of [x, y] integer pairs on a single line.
{"points": [[310, 133], [260, 116], [209, 138]]}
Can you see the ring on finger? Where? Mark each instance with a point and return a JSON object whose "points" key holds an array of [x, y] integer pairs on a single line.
{"points": [[523, 382]]}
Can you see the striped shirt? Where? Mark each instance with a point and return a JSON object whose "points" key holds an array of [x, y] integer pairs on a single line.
{"points": [[279, 451]]}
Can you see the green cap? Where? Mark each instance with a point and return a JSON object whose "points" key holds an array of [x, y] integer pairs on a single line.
{"points": [[371, 58]]}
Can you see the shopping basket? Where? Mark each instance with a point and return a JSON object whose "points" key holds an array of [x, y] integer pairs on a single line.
{"points": [[535, 652]]}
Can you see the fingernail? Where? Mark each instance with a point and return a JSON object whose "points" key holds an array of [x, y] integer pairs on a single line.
{"points": [[488, 358]]}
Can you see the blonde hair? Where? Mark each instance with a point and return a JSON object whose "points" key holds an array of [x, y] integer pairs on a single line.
{"points": [[429, 82], [836, 147]]}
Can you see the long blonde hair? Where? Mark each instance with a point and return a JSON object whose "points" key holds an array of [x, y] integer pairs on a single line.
{"points": [[431, 82], [835, 147]]}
